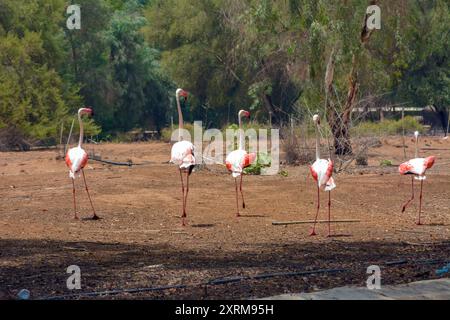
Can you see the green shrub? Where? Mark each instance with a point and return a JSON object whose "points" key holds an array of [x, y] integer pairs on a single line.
{"points": [[166, 133], [262, 160], [388, 127], [385, 163]]}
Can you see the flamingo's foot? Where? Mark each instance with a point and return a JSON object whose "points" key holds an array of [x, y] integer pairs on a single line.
{"points": [[238, 215], [183, 222], [419, 223], [95, 217], [243, 205], [313, 233], [329, 235]]}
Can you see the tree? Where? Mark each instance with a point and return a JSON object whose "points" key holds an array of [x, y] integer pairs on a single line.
{"points": [[32, 97]]}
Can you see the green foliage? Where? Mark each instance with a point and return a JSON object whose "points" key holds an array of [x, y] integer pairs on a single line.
{"points": [[388, 127], [267, 56], [119, 72], [32, 97], [385, 163], [166, 133], [262, 160], [284, 173]]}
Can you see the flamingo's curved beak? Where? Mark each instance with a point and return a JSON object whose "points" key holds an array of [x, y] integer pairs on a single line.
{"points": [[247, 114]]}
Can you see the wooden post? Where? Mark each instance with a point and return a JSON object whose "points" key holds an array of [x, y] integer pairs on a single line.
{"points": [[60, 138], [61, 132], [403, 132], [448, 123]]}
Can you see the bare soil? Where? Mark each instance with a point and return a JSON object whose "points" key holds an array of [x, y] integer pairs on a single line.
{"points": [[139, 242]]}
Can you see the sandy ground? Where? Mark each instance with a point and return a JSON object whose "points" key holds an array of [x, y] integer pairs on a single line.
{"points": [[139, 242]]}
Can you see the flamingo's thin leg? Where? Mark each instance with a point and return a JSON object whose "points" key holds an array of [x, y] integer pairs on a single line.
{"points": [[242, 194], [94, 217], [237, 200], [329, 213], [420, 202], [185, 197], [313, 232], [183, 214], [412, 195], [74, 201]]}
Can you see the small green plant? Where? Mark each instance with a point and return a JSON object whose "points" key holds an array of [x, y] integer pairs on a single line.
{"points": [[385, 163], [262, 160], [284, 173]]}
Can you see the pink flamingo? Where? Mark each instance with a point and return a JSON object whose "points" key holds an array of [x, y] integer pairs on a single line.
{"points": [[183, 154], [321, 170], [76, 160], [238, 159], [417, 168]]}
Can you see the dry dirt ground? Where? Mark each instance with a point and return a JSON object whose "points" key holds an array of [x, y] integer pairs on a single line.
{"points": [[140, 243]]}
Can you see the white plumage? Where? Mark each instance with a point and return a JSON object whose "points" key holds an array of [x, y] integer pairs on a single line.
{"points": [[183, 154]]}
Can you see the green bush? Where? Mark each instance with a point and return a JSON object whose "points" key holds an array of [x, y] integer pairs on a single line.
{"points": [[166, 133], [387, 127], [262, 160]]}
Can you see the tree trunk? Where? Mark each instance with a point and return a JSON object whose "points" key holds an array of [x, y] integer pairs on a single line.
{"points": [[339, 122]]}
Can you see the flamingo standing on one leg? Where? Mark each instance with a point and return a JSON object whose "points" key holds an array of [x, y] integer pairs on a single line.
{"points": [[416, 167], [238, 159], [183, 154], [76, 160], [321, 170]]}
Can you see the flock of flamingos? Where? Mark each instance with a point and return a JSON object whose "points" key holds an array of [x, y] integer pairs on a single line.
{"points": [[182, 155]]}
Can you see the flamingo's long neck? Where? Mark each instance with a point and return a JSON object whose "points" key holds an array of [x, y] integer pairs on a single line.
{"points": [[241, 136], [317, 142], [417, 147], [81, 130], [180, 118]]}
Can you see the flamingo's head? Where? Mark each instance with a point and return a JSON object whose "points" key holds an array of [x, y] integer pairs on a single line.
{"points": [[316, 119], [86, 110], [244, 113], [181, 93]]}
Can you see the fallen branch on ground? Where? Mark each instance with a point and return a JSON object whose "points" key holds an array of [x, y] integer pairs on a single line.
{"points": [[280, 223]]}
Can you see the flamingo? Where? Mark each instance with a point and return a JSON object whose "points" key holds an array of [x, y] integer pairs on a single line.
{"points": [[417, 168], [321, 171], [183, 154], [76, 160], [238, 159]]}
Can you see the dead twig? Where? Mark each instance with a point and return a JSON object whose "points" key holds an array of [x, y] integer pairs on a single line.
{"points": [[281, 223]]}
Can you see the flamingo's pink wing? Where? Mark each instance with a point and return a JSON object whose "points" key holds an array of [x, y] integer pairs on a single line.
{"points": [[429, 161], [248, 159], [313, 173], [405, 168]]}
